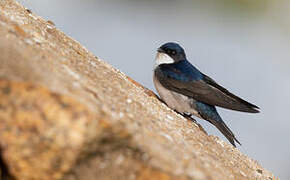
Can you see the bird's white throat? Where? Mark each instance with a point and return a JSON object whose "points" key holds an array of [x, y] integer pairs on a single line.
{"points": [[162, 58]]}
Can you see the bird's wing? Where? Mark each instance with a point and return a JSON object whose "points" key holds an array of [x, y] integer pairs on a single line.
{"points": [[192, 83]]}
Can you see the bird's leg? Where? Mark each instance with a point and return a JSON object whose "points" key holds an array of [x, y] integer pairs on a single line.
{"points": [[189, 117]]}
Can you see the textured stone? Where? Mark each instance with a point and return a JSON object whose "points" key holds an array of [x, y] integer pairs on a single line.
{"points": [[66, 114], [39, 126]]}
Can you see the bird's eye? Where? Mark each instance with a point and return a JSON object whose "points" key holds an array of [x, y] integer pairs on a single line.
{"points": [[173, 52], [168, 51]]}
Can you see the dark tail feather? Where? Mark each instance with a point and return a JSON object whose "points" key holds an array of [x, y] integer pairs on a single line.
{"points": [[225, 130], [210, 114]]}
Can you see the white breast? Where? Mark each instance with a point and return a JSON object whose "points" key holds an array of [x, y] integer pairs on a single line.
{"points": [[175, 100]]}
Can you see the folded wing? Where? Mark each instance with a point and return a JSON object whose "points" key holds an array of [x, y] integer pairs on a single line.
{"points": [[200, 87]]}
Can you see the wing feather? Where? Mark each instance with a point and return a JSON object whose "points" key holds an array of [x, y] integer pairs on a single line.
{"points": [[201, 88]]}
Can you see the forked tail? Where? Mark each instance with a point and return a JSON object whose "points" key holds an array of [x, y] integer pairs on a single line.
{"points": [[225, 130]]}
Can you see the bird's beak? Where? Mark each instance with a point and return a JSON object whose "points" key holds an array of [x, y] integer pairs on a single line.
{"points": [[160, 50]]}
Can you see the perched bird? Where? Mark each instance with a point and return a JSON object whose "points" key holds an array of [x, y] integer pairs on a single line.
{"points": [[190, 92]]}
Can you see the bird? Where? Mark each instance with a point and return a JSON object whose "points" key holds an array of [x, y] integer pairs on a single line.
{"points": [[189, 92]]}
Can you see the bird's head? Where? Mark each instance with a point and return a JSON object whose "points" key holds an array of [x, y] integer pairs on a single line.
{"points": [[169, 53]]}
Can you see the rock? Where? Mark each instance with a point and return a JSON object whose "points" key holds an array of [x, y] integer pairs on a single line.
{"points": [[40, 126], [65, 114]]}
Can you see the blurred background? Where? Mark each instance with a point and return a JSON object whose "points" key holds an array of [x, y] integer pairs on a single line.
{"points": [[243, 44]]}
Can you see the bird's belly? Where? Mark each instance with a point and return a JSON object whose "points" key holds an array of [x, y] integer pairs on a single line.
{"points": [[174, 100]]}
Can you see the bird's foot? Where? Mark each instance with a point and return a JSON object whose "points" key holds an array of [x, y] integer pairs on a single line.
{"points": [[189, 117]]}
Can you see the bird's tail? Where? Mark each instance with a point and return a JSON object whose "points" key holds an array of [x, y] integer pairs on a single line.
{"points": [[225, 130], [209, 113]]}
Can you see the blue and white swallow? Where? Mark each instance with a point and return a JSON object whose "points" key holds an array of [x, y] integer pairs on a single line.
{"points": [[190, 92]]}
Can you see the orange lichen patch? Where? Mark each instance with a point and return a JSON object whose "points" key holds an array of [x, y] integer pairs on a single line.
{"points": [[105, 124], [134, 82], [146, 90], [150, 93], [19, 30], [123, 134]]}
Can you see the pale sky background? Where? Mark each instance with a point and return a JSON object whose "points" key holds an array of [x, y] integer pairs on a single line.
{"points": [[244, 46]]}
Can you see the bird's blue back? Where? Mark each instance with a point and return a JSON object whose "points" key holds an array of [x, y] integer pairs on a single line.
{"points": [[182, 71]]}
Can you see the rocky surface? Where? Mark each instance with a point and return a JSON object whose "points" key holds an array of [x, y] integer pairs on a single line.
{"points": [[66, 114]]}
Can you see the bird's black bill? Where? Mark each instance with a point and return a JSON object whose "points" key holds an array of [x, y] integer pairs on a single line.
{"points": [[160, 50]]}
